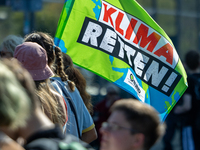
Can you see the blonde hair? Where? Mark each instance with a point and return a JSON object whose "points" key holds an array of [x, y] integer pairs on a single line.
{"points": [[14, 101], [10, 42], [49, 102]]}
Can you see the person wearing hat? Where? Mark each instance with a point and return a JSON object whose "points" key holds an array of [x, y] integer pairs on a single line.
{"points": [[80, 122], [34, 58]]}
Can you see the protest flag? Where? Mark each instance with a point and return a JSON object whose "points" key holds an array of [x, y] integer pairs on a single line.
{"points": [[119, 41]]}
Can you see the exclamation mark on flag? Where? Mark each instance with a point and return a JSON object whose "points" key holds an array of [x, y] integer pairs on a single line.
{"points": [[169, 82]]}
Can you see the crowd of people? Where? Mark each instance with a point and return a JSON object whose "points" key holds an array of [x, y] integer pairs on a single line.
{"points": [[44, 104]]}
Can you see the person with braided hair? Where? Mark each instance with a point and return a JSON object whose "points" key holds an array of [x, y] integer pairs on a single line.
{"points": [[80, 123], [53, 53]]}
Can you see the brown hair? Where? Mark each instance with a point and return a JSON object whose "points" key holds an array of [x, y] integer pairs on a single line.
{"points": [[46, 41], [75, 75], [49, 102], [142, 117]]}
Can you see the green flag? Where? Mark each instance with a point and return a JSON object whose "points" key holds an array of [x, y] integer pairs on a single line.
{"points": [[119, 41]]}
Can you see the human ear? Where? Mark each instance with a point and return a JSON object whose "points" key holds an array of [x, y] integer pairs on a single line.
{"points": [[138, 140]]}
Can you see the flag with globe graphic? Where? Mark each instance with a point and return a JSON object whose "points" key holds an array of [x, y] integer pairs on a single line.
{"points": [[119, 41]]}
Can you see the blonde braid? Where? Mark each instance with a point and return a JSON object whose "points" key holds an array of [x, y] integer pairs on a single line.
{"points": [[60, 66]]}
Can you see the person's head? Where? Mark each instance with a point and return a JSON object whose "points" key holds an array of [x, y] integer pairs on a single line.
{"points": [[15, 104], [67, 61], [54, 54], [192, 59], [132, 125], [34, 58], [25, 79], [44, 40], [9, 44]]}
